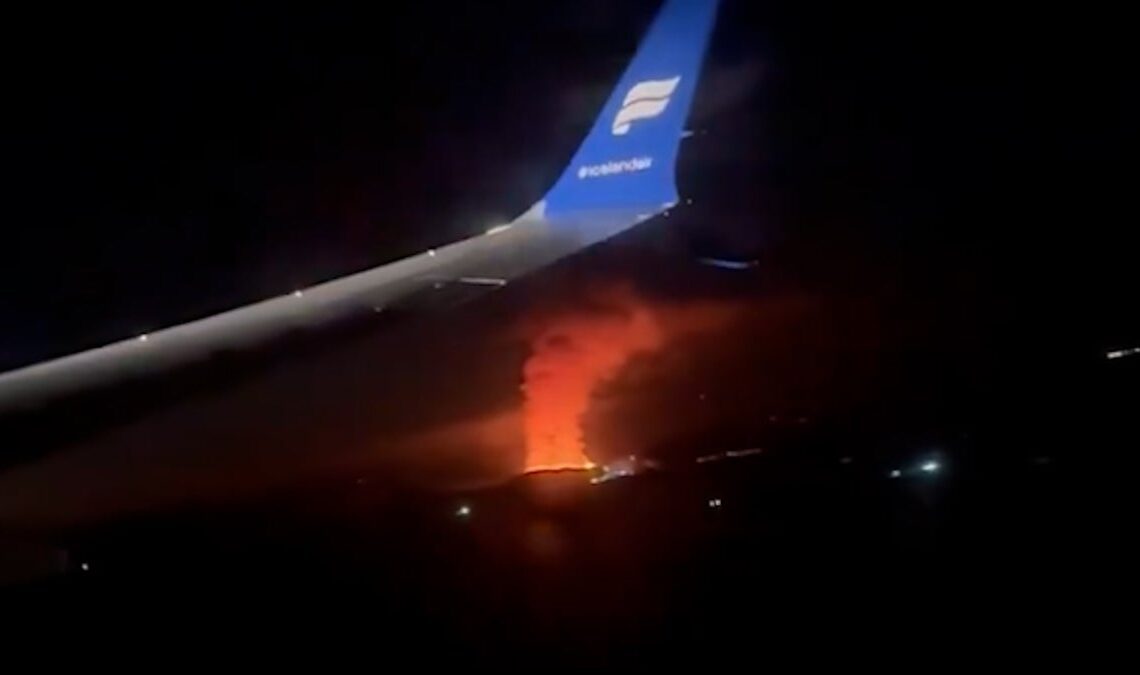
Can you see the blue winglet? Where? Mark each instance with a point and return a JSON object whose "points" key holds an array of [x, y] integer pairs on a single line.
{"points": [[627, 162]]}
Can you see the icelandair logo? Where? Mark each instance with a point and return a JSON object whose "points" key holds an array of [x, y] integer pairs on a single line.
{"points": [[615, 167], [644, 101]]}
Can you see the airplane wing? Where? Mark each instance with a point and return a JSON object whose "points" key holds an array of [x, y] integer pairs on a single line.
{"points": [[623, 174]]}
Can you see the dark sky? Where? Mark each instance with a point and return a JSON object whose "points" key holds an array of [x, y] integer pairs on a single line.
{"points": [[161, 163], [944, 187]]}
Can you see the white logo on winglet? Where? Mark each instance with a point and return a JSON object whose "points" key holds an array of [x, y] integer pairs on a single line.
{"points": [[645, 100], [615, 167]]}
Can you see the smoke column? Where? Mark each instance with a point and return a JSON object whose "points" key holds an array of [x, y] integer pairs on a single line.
{"points": [[571, 354]]}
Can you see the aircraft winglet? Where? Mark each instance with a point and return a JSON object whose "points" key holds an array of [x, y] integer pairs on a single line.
{"points": [[627, 161]]}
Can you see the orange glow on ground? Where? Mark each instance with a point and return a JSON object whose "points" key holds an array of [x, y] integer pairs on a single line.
{"points": [[574, 351], [571, 355], [587, 465]]}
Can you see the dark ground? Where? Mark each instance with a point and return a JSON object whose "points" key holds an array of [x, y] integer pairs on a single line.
{"points": [[812, 537]]}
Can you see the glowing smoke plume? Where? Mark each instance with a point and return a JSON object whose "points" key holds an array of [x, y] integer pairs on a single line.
{"points": [[571, 354]]}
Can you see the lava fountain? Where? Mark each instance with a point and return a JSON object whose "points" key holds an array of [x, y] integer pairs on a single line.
{"points": [[572, 353]]}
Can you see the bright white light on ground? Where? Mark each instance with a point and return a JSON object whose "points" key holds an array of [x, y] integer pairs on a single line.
{"points": [[714, 503], [431, 252], [497, 229], [144, 337], [1121, 353], [297, 294], [895, 473], [85, 567], [930, 467], [463, 511]]}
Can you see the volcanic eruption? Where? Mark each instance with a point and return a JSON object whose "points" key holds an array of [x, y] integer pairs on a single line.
{"points": [[571, 354]]}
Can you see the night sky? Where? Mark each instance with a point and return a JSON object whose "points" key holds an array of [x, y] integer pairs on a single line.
{"points": [[937, 197]]}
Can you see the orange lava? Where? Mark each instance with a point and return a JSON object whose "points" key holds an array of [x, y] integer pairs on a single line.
{"points": [[571, 355], [584, 464]]}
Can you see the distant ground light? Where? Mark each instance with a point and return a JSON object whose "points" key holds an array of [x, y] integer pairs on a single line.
{"points": [[624, 468], [464, 511], [729, 454], [930, 466], [1121, 353]]}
